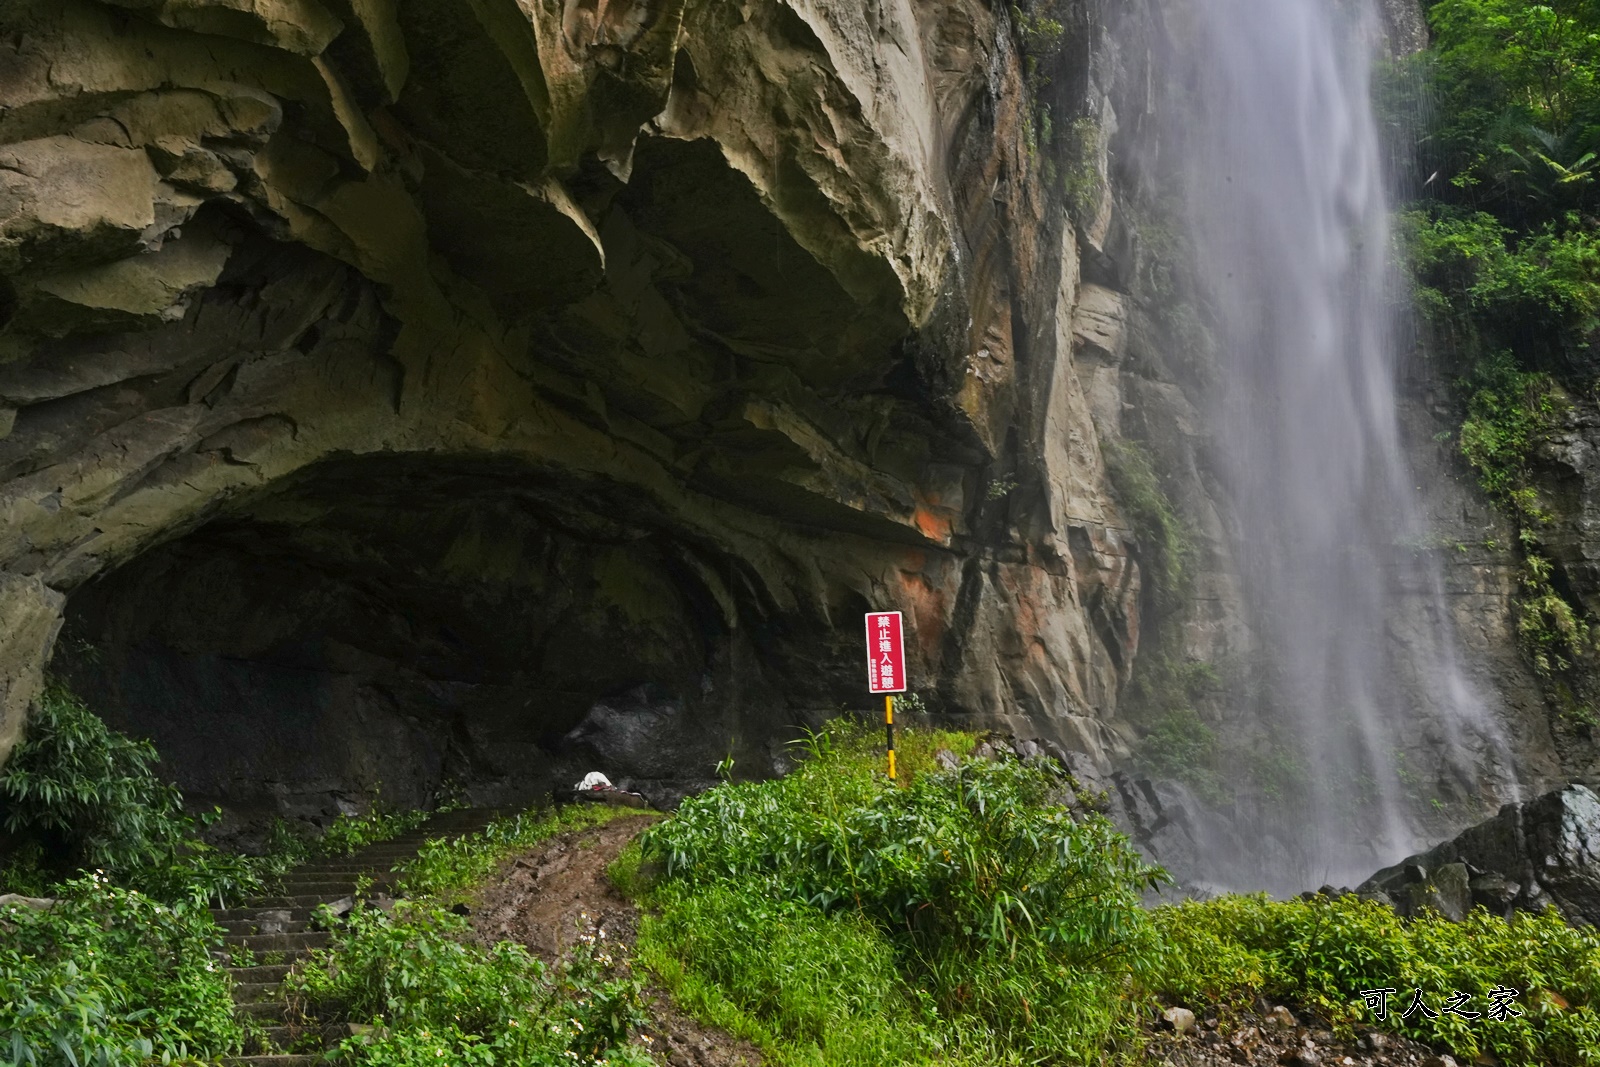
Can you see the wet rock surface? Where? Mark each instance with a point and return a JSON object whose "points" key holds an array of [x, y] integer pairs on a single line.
{"points": [[1545, 851]]}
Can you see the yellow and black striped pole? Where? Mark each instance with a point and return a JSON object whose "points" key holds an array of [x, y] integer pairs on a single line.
{"points": [[888, 722]]}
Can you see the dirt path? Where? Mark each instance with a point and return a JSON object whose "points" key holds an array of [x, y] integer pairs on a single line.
{"points": [[549, 897]]}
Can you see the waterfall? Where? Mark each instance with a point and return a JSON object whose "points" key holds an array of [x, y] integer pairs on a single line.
{"points": [[1289, 216]]}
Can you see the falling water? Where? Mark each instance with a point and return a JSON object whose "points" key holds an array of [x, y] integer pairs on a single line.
{"points": [[1291, 227]]}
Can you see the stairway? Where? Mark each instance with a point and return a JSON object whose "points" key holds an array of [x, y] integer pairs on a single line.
{"points": [[277, 931]]}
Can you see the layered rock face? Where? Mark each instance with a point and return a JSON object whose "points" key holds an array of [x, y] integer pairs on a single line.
{"points": [[385, 384]]}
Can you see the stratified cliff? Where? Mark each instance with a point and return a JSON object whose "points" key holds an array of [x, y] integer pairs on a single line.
{"points": [[415, 391], [391, 386]]}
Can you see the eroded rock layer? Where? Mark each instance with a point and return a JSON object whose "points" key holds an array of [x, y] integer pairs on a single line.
{"points": [[385, 384]]}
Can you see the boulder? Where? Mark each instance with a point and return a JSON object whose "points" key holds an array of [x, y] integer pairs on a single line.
{"points": [[1447, 893], [17, 900], [1544, 851], [1562, 832], [1178, 1020]]}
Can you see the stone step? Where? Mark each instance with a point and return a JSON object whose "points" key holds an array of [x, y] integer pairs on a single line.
{"points": [[289, 912], [308, 901], [258, 926], [255, 992], [270, 974], [281, 1037], [334, 887], [328, 889], [375, 869], [283, 957], [228, 915], [259, 943], [260, 1010], [263, 957]]}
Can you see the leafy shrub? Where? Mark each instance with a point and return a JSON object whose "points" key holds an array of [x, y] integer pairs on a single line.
{"points": [[1166, 551], [1509, 412], [1517, 102], [82, 796], [1082, 184], [1540, 295], [110, 977], [432, 995], [85, 794], [1180, 746], [1321, 953], [1532, 290], [201, 874], [1018, 920], [1505, 253]]}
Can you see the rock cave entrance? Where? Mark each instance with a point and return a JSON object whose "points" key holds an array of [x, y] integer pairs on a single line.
{"points": [[419, 623]]}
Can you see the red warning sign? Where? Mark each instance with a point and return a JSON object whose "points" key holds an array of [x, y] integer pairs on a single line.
{"points": [[886, 653]]}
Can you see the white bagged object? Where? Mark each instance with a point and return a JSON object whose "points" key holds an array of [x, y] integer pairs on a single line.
{"points": [[593, 780]]}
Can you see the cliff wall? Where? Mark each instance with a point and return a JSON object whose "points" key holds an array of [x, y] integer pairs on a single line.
{"points": [[409, 391], [389, 387]]}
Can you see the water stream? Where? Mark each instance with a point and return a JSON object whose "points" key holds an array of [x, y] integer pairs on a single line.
{"points": [[1290, 220]]}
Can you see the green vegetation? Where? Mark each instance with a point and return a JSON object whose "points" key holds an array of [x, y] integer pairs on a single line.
{"points": [[1042, 35], [1181, 747], [86, 794], [80, 796], [119, 969], [427, 992], [1518, 105], [1080, 171], [1165, 689], [1070, 155], [1505, 253], [1167, 553], [108, 976], [431, 995], [1321, 953], [1509, 410], [1487, 286], [999, 489], [834, 917]]}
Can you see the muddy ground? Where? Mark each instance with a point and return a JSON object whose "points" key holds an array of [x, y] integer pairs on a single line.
{"points": [[559, 892]]}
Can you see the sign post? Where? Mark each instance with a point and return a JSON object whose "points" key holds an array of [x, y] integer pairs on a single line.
{"points": [[886, 666]]}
